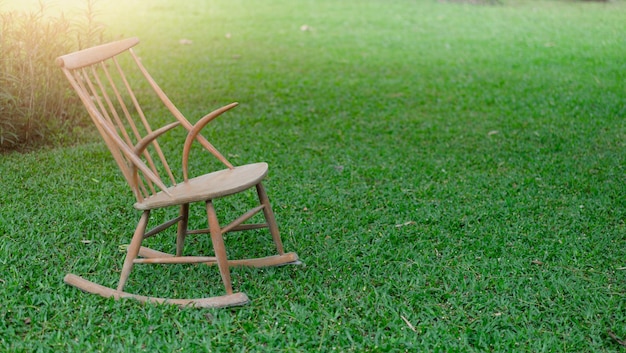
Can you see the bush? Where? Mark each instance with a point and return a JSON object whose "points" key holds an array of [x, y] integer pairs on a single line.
{"points": [[36, 106]]}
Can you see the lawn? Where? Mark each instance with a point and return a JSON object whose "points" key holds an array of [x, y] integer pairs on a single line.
{"points": [[452, 175]]}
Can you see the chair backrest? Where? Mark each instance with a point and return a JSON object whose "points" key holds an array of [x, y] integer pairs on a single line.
{"points": [[102, 78]]}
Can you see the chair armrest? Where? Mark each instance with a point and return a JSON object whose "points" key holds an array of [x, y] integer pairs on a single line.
{"points": [[193, 134], [143, 144]]}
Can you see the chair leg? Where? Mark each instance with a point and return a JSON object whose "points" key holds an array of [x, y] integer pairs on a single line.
{"points": [[269, 218], [218, 246], [133, 249], [182, 229]]}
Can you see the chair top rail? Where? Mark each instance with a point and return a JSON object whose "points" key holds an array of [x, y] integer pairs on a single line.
{"points": [[96, 54]]}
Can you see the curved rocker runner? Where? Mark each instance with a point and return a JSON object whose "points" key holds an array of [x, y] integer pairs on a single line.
{"points": [[98, 77]]}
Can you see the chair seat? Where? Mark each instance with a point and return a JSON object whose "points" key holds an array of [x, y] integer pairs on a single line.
{"points": [[208, 187]]}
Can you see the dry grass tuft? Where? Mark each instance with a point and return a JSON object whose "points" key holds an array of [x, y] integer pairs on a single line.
{"points": [[35, 106]]}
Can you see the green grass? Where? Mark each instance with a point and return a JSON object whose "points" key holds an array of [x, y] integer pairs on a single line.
{"points": [[458, 167]]}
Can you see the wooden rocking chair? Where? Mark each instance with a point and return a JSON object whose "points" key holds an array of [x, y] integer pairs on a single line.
{"points": [[104, 88]]}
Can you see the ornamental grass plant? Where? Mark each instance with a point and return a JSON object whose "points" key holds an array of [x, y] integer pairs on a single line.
{"points": [[36, 107]]}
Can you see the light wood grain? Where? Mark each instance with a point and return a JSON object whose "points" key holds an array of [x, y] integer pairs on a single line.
{"points": [[96, 54], [223, 301], [101, 80], [290, 258], [207, 187]]}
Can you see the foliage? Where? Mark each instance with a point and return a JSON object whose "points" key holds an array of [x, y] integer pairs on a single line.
{"points": [[453, 177], [35, 105]]}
